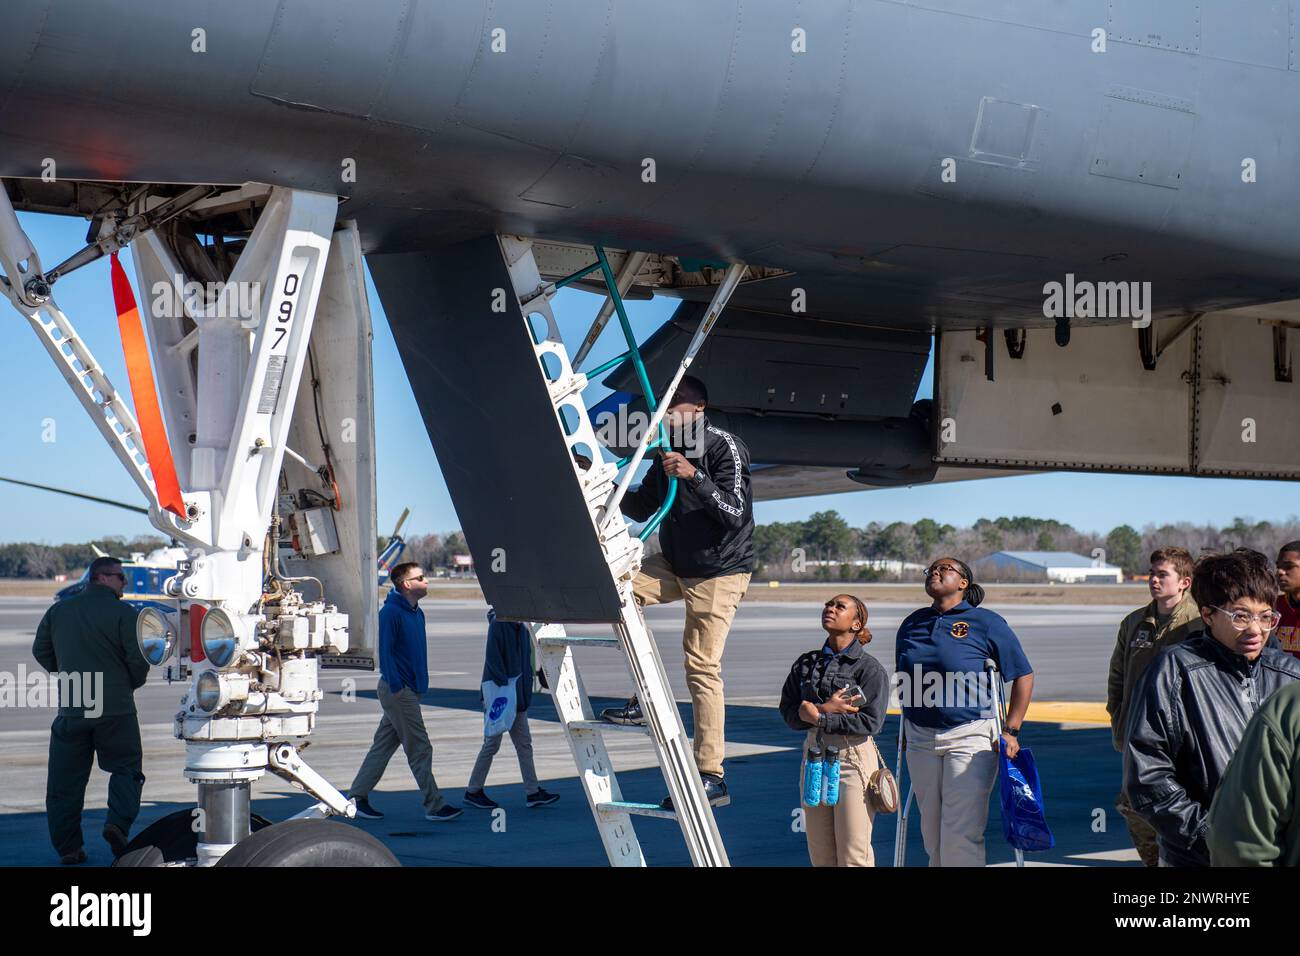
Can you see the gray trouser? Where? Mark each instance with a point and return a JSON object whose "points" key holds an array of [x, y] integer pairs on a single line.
{"points": [[522, 738], [953, 772], [401, 726]]}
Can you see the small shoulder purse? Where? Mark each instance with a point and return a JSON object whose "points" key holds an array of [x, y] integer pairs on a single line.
{"points": [[882, 788]]}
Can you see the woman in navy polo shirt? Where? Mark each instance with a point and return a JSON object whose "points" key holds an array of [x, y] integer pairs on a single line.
{"points": [[948, 723]]}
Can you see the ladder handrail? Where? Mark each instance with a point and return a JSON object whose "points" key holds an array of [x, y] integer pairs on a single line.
{"points": [[720, 298], [634, 352], [627, 274], [615, 298]]}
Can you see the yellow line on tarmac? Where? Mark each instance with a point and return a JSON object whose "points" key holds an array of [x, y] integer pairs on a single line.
{"points": [[1065, 712], [1069, 711]]}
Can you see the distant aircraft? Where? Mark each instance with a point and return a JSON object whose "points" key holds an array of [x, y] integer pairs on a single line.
{"points": [[148, 572], [393, 549]]}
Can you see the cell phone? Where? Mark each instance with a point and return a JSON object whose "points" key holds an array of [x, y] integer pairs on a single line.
{"points": [[855, 695]]}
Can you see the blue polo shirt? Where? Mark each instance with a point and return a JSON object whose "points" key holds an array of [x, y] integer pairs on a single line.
{"points": [[956, 642]]}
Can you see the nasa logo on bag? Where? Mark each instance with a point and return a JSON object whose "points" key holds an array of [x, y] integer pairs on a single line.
{"points": [[498, 707], [959, 629]]}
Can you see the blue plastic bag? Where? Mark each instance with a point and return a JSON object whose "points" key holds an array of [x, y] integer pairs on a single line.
{"points": [[1023, 822]]}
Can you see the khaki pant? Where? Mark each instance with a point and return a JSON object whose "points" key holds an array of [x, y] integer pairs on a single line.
{"points": [[710, 607], [841, 835], [1142, 833], [401, 726], [522, 738], [953, 772]]}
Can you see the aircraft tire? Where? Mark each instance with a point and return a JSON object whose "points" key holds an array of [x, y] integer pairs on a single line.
{"points": [[310, 843], [174, 838], [145, 856]]}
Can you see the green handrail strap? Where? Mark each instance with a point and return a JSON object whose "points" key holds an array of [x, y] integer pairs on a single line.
{"points": [[612, 285]]}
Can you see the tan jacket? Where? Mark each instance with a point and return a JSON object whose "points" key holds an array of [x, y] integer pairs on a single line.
{"points": [[1140, 639]]}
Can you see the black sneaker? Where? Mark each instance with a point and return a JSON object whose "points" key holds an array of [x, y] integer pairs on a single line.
{"points": [[628, 714], [479, 799], [715, 791], [541, 798], [115, 838], [76, 856], [443, 814], [365, 811]]}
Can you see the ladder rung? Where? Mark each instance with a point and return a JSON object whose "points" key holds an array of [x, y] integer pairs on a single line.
{"points": [[557, 641], [599, 725], [638, 809]]}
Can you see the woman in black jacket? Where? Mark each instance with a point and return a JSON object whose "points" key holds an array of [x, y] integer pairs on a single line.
{"points": [[815, 700]]}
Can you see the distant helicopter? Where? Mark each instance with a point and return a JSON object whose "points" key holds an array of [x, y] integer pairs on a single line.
{"points": [[391, 554], [148, 573]]}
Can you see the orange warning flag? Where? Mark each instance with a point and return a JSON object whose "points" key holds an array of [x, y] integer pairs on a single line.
{"points": [[147, 413]]}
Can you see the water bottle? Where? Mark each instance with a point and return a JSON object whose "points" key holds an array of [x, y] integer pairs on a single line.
{"points": [[832, 775], [812, 778]]}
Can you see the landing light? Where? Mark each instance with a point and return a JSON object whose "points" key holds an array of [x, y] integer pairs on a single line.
{"points": [[155, 634], [221, 637], [208, 691]]}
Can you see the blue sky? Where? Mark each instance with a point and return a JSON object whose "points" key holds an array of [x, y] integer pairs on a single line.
{"points": [[408, 472]]}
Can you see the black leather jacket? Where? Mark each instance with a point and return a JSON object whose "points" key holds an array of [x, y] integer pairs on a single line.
{"points": [[709, 531], [1187, 715], [817, 675]]}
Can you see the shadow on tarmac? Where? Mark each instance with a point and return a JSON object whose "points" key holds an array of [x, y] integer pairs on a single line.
{"points": [[1079, 769]]}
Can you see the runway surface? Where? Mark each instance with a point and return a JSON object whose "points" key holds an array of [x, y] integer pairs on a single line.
{"points": [[1068, 646]]}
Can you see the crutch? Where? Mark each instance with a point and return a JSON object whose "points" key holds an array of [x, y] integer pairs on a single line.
{"points": [[1000, 718], [900, 833]]}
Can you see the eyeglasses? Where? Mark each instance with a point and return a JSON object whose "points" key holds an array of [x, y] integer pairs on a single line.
{"points": [[113, 574], [410, 578], [940, 569], [1242, 619]]}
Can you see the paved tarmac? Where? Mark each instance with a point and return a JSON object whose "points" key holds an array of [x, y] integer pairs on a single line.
{"points": [[1069, 647]]}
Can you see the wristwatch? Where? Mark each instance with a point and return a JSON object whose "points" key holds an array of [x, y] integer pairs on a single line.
{"points": [[697, 479], [1013, 731]]}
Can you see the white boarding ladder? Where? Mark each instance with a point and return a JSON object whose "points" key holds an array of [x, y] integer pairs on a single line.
{"points": [[602, 490]]}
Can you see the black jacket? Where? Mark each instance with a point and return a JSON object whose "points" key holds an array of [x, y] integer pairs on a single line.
{"points": [[1188, 713], [709, 531], [93, 633], [817, 675]]}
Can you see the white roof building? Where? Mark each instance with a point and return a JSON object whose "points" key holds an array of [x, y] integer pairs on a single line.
{"points": [[1061, 566]]}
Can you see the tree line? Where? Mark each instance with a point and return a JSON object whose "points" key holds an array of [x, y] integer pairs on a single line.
{"points": [[824, 546], [29, 559], [434, 550]]}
